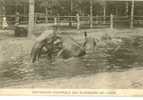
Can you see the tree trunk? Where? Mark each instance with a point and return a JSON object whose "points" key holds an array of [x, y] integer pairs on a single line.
{"points": [[104, 13], [31, 17], [132, 15], [91, 14], [70, 23]]}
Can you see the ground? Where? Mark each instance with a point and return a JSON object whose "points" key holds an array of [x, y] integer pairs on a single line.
{"points": [[17, 71]]}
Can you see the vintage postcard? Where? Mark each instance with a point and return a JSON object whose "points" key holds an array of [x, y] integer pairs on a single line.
{"points": [[71, 47]]}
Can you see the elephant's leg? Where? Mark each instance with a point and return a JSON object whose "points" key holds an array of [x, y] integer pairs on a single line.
{"points": [[60, 53], [39, 53], [94, 45], [34, 54], [36, 51]]}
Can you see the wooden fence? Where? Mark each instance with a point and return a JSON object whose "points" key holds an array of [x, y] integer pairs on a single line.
{"points": [[77, 21]]}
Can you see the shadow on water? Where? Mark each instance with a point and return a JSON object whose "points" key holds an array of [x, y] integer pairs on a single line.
{"points": [[112, 57]]}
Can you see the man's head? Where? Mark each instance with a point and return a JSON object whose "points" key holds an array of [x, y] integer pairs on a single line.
{"points": [[85, 34]]}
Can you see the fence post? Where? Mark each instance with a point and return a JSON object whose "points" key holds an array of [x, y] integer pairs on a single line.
{"points": [[58, 19], [111, 21], [78, 21], [104, 13], [17, 18], [36, 19], [46, 19], [91, 21], [46, 15], [96, 19], [55, 20]]}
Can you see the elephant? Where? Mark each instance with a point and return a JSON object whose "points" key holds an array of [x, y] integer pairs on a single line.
{"points": [[59, 46]]}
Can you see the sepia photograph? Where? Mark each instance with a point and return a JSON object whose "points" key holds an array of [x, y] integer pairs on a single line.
{"points": [[71, 47]]}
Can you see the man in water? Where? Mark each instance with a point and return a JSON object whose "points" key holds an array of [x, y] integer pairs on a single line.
{"points": [[4, 23], [89, 43]]}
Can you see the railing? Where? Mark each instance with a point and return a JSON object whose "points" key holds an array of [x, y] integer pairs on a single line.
{"points": [[12, 19], [75, 21], [138, 20]]}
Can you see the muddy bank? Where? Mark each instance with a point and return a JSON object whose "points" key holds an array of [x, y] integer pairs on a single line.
{"points": [[129, 79]]}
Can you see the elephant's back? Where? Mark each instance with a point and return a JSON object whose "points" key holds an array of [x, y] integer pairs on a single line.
{"points": [[73, 47]]}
